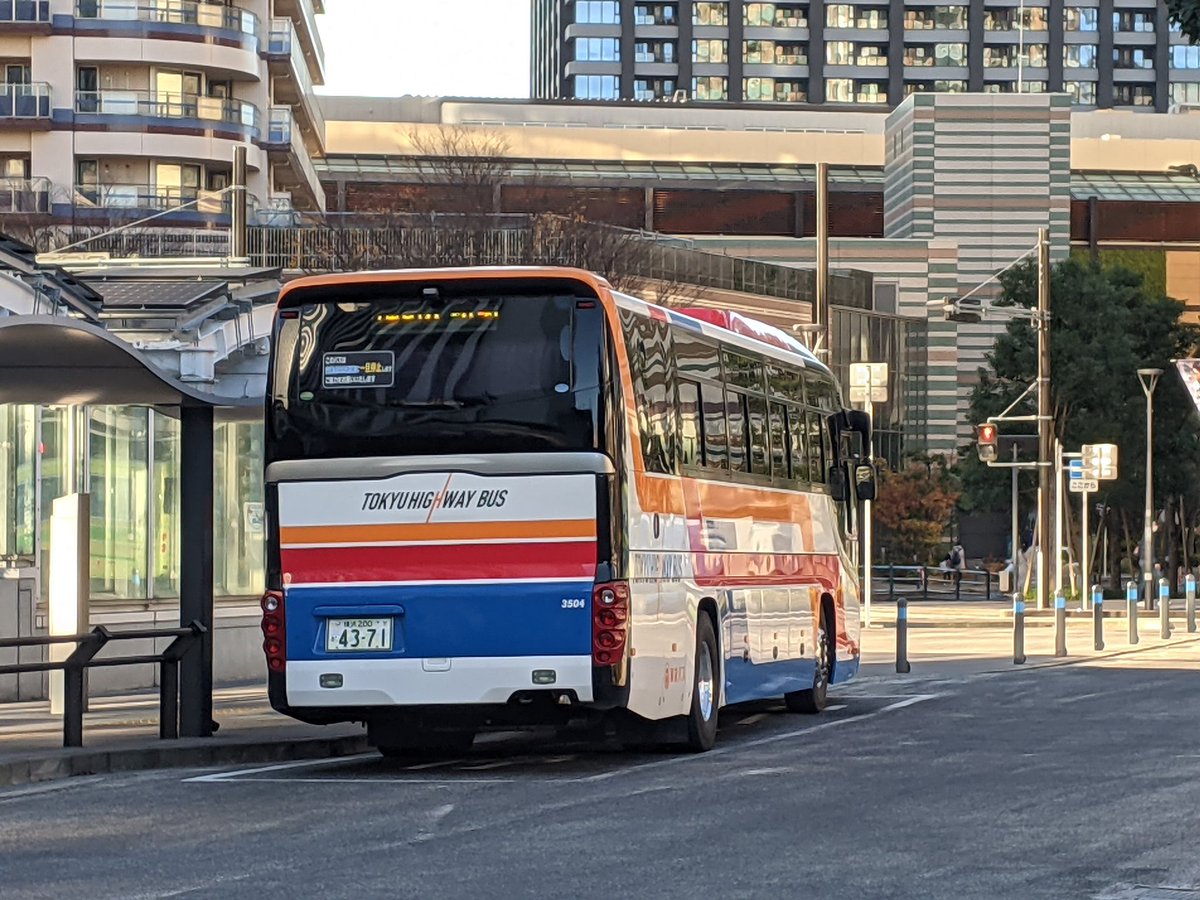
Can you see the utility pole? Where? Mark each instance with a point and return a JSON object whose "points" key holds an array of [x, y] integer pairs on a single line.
{"points": [[1045, 424], [1149, 381], [822, 339]]}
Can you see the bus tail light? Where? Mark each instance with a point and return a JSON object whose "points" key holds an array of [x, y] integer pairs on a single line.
{"points": [[274, 631], [610, 622]]}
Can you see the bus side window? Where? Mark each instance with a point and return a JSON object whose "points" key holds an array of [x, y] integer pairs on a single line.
{"points": [[690, 432], [799, 441], [715, 453], [757, 433], [735, 415], [781, 463], [816, 447], [652, 365]]}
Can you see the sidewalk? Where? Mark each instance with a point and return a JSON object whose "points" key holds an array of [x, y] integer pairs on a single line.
{"points": [[120, 733], [945, 641]]}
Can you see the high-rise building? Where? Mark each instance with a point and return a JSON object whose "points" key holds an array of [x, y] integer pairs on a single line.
{"points": [[1115, 53], [118, 110]]}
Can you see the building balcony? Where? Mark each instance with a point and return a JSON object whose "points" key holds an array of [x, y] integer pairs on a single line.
{"points": [[133, 202], [291, 164], [294, 85], [25, 105], [184, 19], [125, 110], [25, 196], [303, 14], [25, 15]]}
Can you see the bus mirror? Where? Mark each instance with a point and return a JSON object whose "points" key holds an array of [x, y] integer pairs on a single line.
{"points": [[864, 481], [837, 483], [860, 422]]}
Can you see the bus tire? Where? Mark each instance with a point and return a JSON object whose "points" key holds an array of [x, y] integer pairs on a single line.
{"points": [[816, 698], [706, 690]]}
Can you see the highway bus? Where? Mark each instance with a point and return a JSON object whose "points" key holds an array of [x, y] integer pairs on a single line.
{"points": [[503, 497]]}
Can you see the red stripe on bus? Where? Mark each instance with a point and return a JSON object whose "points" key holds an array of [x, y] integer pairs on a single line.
{"points": [[327, 565]]}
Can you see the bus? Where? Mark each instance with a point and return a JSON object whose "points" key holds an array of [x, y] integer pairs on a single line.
{"points": [[515, 497]]}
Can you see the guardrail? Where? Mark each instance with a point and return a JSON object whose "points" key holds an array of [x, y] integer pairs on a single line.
{"points": [[83, 657], [931, 582]]}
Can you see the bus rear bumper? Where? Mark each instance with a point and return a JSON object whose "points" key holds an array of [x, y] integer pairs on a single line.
{"points": [[433, 682]]}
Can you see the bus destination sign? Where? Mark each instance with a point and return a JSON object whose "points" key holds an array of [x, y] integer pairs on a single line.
{"points": [[362, 369]]}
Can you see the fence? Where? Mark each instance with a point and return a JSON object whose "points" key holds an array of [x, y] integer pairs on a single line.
{"points": [[927, 582]]}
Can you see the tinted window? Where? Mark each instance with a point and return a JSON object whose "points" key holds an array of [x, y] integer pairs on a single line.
{"points": [[785, 382], [780, 453], [815, 447], [759, 459], [798, 437], [690, 434], [694, 357], [652, 368], [742, 371], [715, 443], [389, 375], [821, 392], [735, 416]]}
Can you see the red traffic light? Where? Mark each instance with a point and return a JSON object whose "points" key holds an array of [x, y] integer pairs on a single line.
{"points": [[986, 433]]}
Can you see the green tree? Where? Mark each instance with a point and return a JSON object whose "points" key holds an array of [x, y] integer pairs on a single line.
{"points": [[1105, 325], [1187, 14], [913, 510]]}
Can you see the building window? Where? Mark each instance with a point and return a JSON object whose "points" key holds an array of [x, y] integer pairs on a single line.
{"points": [[597, 12], [655, 14], [929, 17], [1001, 56], [1128, 20], [1133, 58], [1185, 92], [759, 14], [710, 87], [939, 86], [653, 88], [654, 51], [840, 53], [1008, 19], [936, 55], [1037, 18], [1133, 95], [756, 52], [845, 15], [710, 13], [710, 50], [775, 15], [597, 50], [1184, 57], [1083, 93], [871, 55], [1079, 56], [1037, 55], [1013, 87], [791, 54], [846, 90], [1082, 18], [774, 90], [597, 87]]}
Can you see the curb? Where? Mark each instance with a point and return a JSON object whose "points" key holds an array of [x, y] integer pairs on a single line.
{"points": [[189, 753]]}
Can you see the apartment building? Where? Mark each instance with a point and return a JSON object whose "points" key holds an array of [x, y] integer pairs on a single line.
{"points": [[117, 110], [1104, 53]]}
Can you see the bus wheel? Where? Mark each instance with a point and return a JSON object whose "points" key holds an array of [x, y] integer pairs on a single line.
{"points": [[702, 721], [815, 698]]}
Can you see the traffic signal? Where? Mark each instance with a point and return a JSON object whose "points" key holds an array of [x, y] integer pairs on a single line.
{"points": [[986, 438]]}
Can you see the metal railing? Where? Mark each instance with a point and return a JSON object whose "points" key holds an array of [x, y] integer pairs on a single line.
{"points": [[283, 44], [930, 582], [25, 195], [153, 198], [25, 101], [88, 646], [25, 12], [171, 12], [282, 132], [167, 105]]}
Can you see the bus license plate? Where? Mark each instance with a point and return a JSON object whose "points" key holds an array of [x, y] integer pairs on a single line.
{"points": [[358, 635]]}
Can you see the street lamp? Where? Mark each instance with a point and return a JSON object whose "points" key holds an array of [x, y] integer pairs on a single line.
{"points": [[1149, 381]]}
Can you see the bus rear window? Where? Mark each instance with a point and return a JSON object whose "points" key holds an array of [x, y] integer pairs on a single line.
{"points": [[380, 377]]}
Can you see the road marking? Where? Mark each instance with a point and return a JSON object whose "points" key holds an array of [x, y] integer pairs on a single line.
{"points": [[278, 767], [769, 739]]}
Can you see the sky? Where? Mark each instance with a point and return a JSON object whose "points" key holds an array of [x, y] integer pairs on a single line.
{"points": [[464, 48]]}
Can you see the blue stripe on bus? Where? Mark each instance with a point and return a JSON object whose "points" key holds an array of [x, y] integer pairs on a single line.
{"points": [[757, 681], [488, 620]]}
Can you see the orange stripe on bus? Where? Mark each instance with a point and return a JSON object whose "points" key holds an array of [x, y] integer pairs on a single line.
{"points": [[438, 531]]}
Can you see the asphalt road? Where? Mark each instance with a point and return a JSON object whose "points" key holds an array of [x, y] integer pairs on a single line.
{"points": [[1059, 783]]}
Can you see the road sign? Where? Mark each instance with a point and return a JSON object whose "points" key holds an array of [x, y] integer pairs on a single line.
{"points": [[1080, 479], [1083, 485], [868, 382], [1099, 461]]}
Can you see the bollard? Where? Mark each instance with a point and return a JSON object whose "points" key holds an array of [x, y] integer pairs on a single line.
{"points": [[1190, 587], [902, 665], [1164, 609], [1018, 629], [924, 583], [987, 579], [1131, 600], [1060, 624], [891, 579], [1097, 617], [957, 585]]}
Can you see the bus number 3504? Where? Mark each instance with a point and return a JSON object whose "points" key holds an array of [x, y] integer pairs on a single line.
{"points": [[574, 603]]}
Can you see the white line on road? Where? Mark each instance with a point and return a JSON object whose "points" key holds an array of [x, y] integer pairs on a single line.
{"points": [[278, 767]]}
